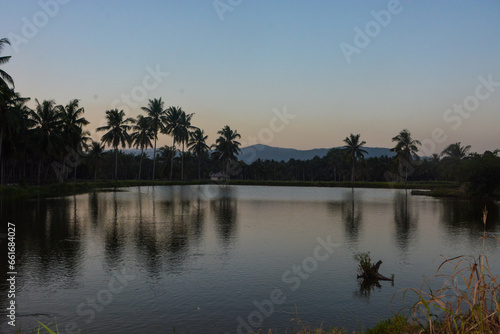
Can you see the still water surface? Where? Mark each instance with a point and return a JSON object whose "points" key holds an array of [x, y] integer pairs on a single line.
{"points": [[209, 259]]}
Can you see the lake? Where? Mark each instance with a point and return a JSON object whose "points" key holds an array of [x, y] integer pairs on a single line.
{"points": [[230, 259]]}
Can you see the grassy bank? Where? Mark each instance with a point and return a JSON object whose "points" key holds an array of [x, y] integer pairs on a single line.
{"points": [[71, 188], [452, 192], [383, 185]]}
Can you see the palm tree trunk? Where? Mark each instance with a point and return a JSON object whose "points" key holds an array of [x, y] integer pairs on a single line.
{"points": [[116, 163], [140, 165], [182, 162], [61, 180], [172, 160], [39, 170], [95, 171], [352, 171], [2, 181], [154, 160], [199, 167]]}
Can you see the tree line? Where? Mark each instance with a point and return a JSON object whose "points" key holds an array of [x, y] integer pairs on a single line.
{"points": [[50, 143], [455, 164]]}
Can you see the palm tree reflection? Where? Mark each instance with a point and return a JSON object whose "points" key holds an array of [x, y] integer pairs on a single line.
{"points": [[93, 208], [405, 219], [165, 239], [114, 239], [225, 211], [352, 215]]}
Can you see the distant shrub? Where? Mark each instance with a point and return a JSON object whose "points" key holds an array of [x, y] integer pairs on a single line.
{"points": [[482, 172]]}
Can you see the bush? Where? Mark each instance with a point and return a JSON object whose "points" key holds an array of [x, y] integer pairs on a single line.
{"points": [[483, 174], [365, 264]]}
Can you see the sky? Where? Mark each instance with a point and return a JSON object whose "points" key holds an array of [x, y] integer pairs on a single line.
{"points": [[286, 73]]}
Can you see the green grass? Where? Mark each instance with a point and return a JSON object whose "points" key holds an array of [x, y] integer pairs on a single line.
{"points": [[386, 185], [398, 324], [71, 188]]}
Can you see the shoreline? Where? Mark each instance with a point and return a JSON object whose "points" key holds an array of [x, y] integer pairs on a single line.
{"points": [[439, 189]]}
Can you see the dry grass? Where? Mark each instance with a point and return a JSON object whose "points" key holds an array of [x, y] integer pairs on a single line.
{"points": [[469, 299]]}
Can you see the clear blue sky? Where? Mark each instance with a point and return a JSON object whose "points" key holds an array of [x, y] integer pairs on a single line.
{"points": [[236, 63]]}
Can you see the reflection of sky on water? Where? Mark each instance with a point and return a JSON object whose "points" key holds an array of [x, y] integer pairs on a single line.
{"points": [[221, 248]]}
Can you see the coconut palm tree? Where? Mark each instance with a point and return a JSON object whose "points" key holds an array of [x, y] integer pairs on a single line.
{"points": [[72, 123], [226, 147], [164, 156], [353, 151], [6, 94], [117, 132], [15, 123], [156, 119], [11, 105], [456, 151], [406, 150], [198, 145], [142, 137], [5, 79], [72, 127], [173, 119], [47, 128], [181, 133], [7, 97], [434, 162], [95, 151], [453, 155]]}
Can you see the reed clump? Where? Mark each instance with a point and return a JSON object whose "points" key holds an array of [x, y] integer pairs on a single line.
{"points": [[468, 301]]}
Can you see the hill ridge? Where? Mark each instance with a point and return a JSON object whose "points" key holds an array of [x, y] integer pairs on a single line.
{"points": [[251, 153]]}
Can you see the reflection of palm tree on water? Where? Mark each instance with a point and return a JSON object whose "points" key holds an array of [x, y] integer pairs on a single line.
{"points": [[94, 208], [352, 216], [180, 222], [225, 211], [404, 218], [114, 241]]}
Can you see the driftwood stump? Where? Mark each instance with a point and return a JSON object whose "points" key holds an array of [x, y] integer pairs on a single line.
{"points": [[373, 274]]}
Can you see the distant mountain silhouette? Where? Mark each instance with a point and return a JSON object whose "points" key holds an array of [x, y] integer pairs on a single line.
{"points": [[251, 153]]}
